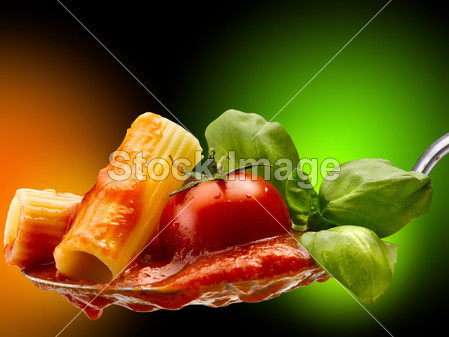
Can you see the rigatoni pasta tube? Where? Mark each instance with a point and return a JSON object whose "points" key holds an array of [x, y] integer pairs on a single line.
{"points": [[35, 225], [121, 213]]}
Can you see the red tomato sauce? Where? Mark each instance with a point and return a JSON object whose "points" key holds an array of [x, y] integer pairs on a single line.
{"points": [[251, 272]]}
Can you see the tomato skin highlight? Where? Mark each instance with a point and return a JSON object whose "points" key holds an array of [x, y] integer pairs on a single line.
{"points": [[218, 214]]}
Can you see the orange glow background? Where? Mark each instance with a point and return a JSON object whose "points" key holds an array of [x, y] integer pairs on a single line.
{"points": [[62, 111]]}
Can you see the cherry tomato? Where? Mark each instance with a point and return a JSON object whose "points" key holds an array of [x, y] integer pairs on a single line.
{"points": [[217, 214]]}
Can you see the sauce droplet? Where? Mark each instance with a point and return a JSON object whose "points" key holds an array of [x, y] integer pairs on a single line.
{"points": [[217, 196], [248, 195], [93, 314]]}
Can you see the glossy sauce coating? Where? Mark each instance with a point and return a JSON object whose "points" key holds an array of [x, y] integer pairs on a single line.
{"points": [[250, 272]]}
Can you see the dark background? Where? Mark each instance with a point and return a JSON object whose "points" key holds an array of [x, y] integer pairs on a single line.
{"points": [[164, 46]]}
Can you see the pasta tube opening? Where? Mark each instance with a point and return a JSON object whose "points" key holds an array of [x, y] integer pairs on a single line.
{"points": [[87, 267], [12, 223]]}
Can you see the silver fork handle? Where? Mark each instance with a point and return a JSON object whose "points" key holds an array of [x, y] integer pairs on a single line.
{"points": [[432, 155]]}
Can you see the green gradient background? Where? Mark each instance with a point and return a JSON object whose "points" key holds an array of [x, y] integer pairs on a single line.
{"points": [[384, 96]]}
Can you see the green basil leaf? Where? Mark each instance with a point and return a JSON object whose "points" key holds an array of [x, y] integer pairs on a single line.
{"points": [[254, 139], [303, 203], [375, 194], [356, 257]]}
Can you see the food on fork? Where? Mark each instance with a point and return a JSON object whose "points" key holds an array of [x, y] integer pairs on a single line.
{"points": [[190, 231]]}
